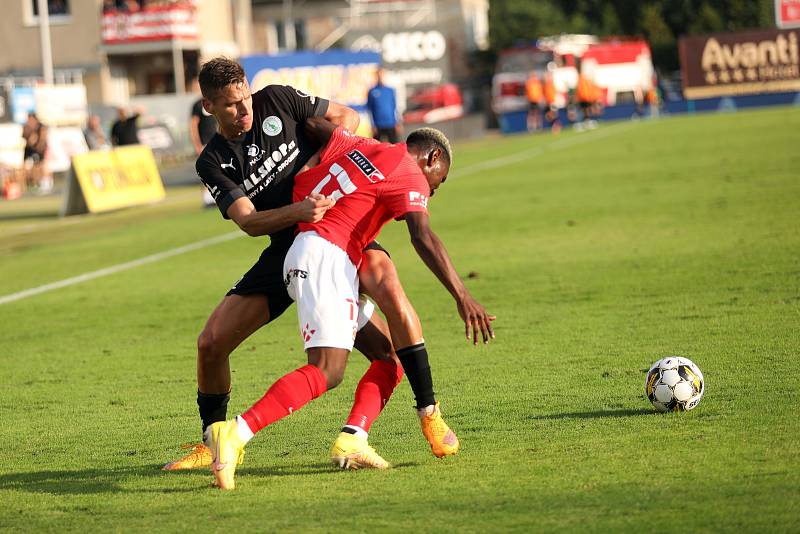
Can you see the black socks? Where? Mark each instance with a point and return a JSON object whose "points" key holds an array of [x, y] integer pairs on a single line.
{"points": [[213, 407], [418, 370]]}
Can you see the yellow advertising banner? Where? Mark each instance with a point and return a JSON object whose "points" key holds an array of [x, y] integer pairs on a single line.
{"points": [[112, 179]]}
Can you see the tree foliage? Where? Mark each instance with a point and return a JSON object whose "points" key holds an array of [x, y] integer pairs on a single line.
{"points": [[661, 22]]}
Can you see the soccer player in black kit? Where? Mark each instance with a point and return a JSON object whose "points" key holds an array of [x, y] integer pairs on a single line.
{"points": [[249, 168]]}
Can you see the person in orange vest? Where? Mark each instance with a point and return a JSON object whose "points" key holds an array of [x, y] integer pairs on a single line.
{"points": [[585, 95], [533, 90], [653, 98], [551, 109]]}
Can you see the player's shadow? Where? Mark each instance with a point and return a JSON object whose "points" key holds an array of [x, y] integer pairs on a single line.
{"points": [[598, 414], [299, 470], [83, 481], [115, 480]]}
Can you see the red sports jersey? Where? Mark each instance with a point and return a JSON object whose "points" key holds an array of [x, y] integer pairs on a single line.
{"points": [[372, 183]]}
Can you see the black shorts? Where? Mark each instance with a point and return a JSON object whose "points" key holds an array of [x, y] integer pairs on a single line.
{"points": [[374, 245], [266, 278], [33, 155]]}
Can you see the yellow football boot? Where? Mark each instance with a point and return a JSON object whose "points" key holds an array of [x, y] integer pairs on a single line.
{"points": [[227, 451], [443, 440], [352, 452], [199, 456]]}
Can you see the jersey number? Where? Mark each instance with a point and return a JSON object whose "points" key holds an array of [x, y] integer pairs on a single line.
{"points": [[346, 186]]}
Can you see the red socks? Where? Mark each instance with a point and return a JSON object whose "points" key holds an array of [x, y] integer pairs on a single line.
{"points": [[294, 390], [288, 394], [373, 392]]}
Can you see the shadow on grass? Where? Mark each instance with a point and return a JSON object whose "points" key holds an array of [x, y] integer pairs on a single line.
{"points": [[114, 480], [22, 216], [593, 415], [295, 470], [83, 481]]}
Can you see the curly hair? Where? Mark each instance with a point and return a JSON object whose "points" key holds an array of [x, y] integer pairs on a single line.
{"points": [[427, 139], [218, 73]]}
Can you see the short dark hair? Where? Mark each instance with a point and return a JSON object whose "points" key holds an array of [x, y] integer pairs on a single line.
{"points": [[427, 139], [218, 73]]}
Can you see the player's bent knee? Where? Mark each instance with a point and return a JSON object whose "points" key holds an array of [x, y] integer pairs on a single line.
{"points": [[374, 343], [331, 362], [209, 347], [333, 374], [334, 378]]}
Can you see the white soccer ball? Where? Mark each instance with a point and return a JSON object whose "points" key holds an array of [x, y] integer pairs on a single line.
{"points": [[674, 384]]}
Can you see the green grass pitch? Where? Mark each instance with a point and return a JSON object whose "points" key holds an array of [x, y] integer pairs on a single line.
{"points": [[599, 252]]}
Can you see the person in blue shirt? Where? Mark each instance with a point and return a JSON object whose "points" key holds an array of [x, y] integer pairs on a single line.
{"points": [[382, 105]]}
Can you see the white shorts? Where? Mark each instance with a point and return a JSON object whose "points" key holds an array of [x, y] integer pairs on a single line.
{"points": [[323, 282]]}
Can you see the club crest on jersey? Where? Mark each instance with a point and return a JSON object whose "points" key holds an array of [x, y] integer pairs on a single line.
{"points": [[417, 199], [365, 166], [272, 126]]}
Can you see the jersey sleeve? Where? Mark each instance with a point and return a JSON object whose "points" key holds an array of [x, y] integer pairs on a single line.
{"points": [[224, 190], [299, 105], [406, 191]]}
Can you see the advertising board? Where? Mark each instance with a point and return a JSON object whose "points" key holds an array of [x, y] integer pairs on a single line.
{"points": [[726, 64]]}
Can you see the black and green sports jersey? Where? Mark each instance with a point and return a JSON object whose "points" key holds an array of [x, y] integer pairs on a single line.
{"points": [[262, 164]]}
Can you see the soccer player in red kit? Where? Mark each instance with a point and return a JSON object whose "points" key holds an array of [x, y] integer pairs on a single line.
{"points": [[371, 183]]}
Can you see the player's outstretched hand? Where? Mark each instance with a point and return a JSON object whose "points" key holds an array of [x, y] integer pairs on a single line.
{"points": [[476, 319], [313, 207]]}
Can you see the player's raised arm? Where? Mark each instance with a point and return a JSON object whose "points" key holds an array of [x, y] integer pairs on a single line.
{"points": [[433, 253], [343, 116], [319, 129]]}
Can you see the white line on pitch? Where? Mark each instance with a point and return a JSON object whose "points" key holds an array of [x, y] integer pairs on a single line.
{"points": [[489, 164], [118, 268], [536, 151]]}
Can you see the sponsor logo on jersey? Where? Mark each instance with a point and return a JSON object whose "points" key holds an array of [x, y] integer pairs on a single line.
{"points": [[223, 166], [365, 166], [272, 165], [417, 199], [301, 94], [255, 153], [294, 273], [272, 126]]}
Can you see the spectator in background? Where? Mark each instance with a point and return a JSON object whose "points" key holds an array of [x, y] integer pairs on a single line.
{"points": [[35, 135], [382, 106], [533, 90], [586, 95], [93, 133], [125, 131], [653, 97], [202, 127]]}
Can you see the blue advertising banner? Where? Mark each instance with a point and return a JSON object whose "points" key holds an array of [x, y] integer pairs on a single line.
{"points": [[23, 101], [338, 75]]}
